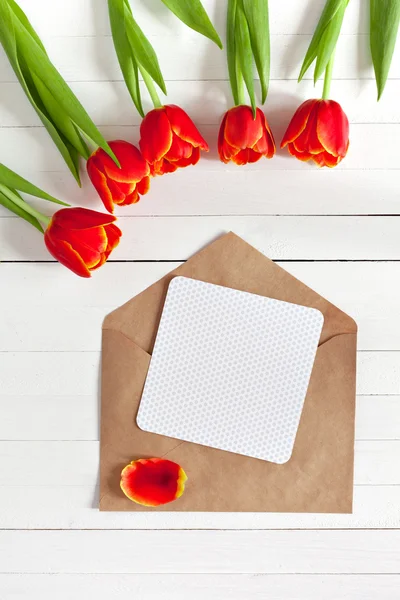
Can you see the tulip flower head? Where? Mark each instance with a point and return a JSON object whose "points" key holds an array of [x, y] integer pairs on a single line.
{"points": [[81, 239], [318, 131], [170, 140], [243, 139], [116, 185]]}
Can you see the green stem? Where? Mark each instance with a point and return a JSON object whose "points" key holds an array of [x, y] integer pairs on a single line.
{"points": [[24, 205], [155, 98], [328, 77], [240, 85]]}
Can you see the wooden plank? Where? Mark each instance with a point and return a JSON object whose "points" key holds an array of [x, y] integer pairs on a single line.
{"points": [[185, 55], [178, 238], [76, 507], [295, 192], [76, 418], [76, 463], [80, 18], [279, 552], [373, 147], [73, 312], [199, 587], [49, 373], [110, 104]]}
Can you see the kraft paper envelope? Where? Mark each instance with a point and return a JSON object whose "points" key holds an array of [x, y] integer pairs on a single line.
{"points": [[318, 477]]}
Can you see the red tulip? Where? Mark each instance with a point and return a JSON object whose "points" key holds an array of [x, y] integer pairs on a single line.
{"points": [[169, 140], [153, 482], [119, 185], [81, 239], [243, 139], [318, 131]]}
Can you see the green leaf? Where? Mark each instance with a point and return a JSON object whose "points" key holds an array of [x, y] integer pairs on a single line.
{"points": [[245, 53], [193, 14], [27, 56], [25, 22], [231, 49], [143, 51], [60, 118], [7, 38], [385, 19], [12, 180], [257, 16], [20, 212], [123, 50], [325, 36]]}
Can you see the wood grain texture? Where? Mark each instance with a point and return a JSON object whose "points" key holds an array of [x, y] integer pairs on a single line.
{"points": [[73, 311], [49, 373], [54, 543], [76, 418], [89, 17], [273, 552], [280, 238], [198, 587], [77, 463], [51, 506]]}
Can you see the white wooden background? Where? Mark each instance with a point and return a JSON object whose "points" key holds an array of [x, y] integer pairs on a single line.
{"points": [[336, 230]]}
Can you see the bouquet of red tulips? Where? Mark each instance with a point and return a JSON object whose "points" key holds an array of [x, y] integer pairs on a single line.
{"points": [[121, 172]]}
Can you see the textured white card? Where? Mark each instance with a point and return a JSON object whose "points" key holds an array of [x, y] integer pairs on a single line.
{"points": [[230, 370]]}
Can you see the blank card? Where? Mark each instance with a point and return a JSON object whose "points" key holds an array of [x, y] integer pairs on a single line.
{"points": [[230, 370]]}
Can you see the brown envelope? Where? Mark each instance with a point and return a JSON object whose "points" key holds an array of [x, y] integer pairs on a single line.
{"points": [[318, 477]]}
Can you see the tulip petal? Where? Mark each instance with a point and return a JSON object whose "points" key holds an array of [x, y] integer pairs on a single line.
{"points": [[81, 218], [66, 255], [241, 130], [161, 167], [155, 135], [153, 482], [132, 198], [303, 156], [248, 155], [333, 128], [90, 244], [113, 234], [143, 186], [266, 144], [100, 183], [324, 159], [193, 159], [179, 149], [133, 165], [183, 126], [298, 122]]}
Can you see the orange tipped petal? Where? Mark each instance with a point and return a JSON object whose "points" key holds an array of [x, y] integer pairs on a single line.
{"points": [[155, 135], [304, 156], [100, 183], [133, 165], [241, 130], [333, 128], [153, 482], [179, 149], [66, 255], [143, 186], [183, 126], [81, 218], [113, 234], [266, 144], [298, 122]]}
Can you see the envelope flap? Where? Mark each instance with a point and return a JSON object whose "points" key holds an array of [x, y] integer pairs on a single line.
{"points": [[230, 262]]}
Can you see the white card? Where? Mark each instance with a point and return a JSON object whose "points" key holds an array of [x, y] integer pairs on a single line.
{"points": [[230, 370]]}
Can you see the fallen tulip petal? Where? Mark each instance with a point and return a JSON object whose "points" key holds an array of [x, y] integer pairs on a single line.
{"points": [[153, 481]]}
